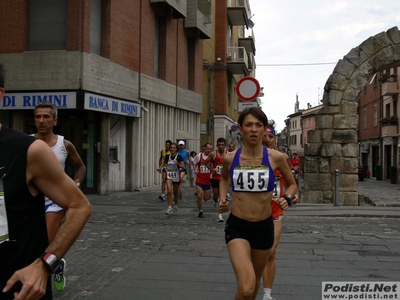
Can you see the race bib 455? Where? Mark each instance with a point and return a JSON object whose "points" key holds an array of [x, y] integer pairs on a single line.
{"points": [[251, 179]]}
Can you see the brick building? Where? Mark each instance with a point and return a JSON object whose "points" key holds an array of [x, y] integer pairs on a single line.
{"points": [[378, 130], [228, 56], [368, 126], [126, 76]]}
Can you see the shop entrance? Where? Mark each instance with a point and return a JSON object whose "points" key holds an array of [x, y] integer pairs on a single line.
{"points": [[79, 128]]}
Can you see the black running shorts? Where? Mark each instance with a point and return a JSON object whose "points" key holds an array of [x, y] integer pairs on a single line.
{"points": [[214, 183], [260, 234]]}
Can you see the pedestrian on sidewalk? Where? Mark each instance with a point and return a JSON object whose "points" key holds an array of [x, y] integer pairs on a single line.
{"points": [[249, 229], [172, 165]]}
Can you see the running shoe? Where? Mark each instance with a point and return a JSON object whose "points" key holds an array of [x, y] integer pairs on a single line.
{"points": [[268, 298], [215, 204], [175, 210], [161, 197], [200, 214], [220, 218], [180, 194], [169, 211], [59, 279]]}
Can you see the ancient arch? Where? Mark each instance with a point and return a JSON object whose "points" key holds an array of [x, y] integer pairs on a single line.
{"points": [[334, 142]]}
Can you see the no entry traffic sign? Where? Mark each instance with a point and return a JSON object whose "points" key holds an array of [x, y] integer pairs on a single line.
{"points": [[248, 88]]}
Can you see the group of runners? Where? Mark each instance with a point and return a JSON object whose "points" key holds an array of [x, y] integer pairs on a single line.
{"points": [[204, 172], [255, 183]]}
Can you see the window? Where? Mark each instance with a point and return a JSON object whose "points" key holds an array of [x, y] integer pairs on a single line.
{"points": [[47, 25], [191, 58], [156, 45], [375, 115], [95, 27], [365, 118], [387, 110]]}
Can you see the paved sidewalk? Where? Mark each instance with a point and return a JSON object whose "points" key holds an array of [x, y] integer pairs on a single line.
{"points": [[380, 192], [130, 249]]}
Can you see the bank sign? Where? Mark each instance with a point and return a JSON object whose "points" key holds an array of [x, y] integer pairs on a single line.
{"points": [[111, 105], [63, 100]]}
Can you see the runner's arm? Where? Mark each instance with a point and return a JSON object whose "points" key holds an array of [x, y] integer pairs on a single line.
{"points": [[44, 173], [209, 160], [76, 160]]}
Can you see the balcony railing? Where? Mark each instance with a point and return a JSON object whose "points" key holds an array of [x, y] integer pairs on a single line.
{"points": [[237, 60], [247, 41], [204, 6], [198, 19], [237, 54], [238, 12], [389, 130], [390, 88], [392, 120]]}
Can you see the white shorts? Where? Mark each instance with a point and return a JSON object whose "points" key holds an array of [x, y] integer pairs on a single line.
{"points": [[51, 207]]}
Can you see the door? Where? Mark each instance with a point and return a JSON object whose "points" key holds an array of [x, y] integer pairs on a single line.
{"points": [[77, 126], [80, 130]]}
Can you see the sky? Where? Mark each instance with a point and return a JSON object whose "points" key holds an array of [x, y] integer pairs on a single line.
{"points": [[309, 32]]}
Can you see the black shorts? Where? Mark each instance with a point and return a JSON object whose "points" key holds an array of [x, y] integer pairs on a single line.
{"points": [[214, 183], [260, 234]]}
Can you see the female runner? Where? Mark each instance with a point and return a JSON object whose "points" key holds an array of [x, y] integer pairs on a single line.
{"points": [[249, 230], [173, 162]]}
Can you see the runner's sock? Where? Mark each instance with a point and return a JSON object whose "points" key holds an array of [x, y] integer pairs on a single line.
{"points": [[267, 292]]}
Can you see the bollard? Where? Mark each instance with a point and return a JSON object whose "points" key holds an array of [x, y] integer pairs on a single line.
{"points": [[336, 188]]}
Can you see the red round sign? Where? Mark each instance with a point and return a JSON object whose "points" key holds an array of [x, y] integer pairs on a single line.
{"points": [[248, 88]]}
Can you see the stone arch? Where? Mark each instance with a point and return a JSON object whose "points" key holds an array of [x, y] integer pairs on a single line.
{"points": [[334, 142]]}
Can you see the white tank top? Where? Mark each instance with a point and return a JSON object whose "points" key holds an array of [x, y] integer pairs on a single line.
{"points": [[60, 151]]}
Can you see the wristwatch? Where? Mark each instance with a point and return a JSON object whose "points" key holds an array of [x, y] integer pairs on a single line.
{"points": [[51, 262], [288, 198]]}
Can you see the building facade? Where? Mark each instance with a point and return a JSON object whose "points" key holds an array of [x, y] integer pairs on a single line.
{"points": [[369, 129], [378, 129], [294, 129], [228, 56], [126, 76], [308, 122]]}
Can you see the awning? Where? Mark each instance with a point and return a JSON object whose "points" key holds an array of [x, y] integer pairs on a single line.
{"points": [[184, 135]]}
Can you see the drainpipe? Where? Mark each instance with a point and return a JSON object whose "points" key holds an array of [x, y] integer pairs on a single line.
{"points": [[177, 63], [140, 50], [380, 126]]}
